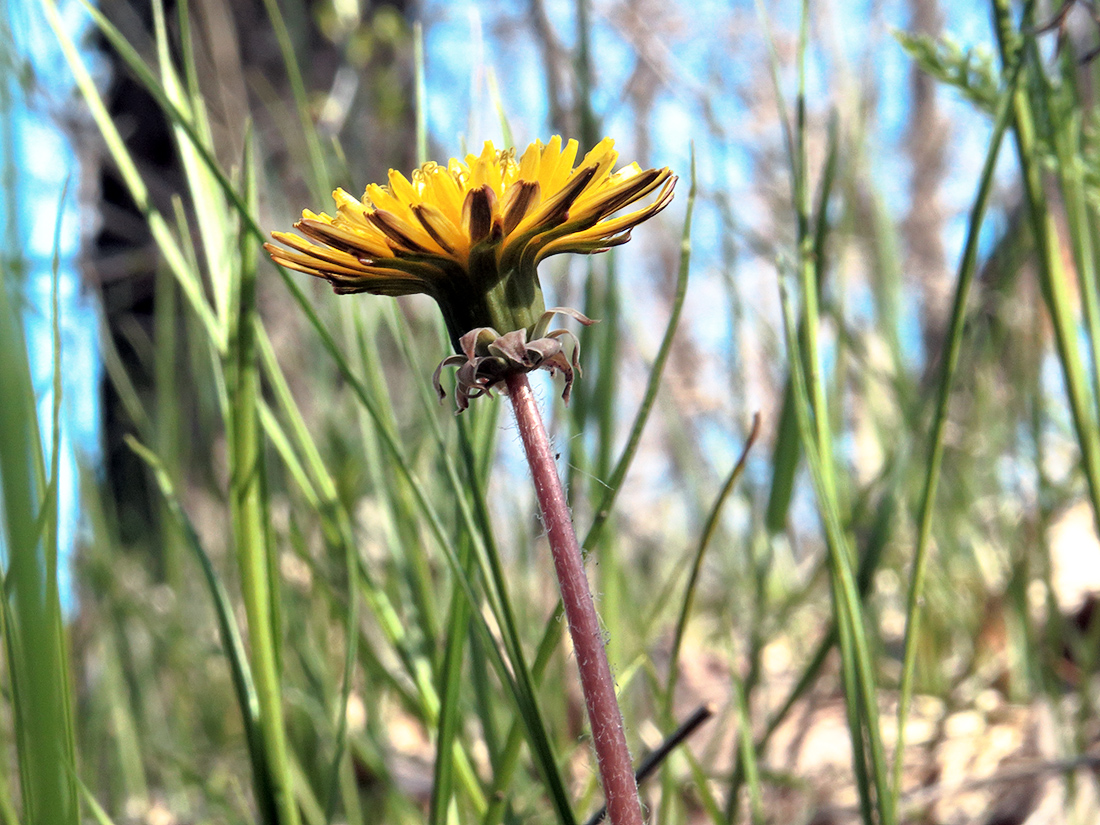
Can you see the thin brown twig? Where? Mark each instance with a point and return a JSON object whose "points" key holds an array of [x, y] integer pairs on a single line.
{"points": [[653, 761]]}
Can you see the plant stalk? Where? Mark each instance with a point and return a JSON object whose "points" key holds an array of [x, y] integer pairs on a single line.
{"points": [[608, 737]]}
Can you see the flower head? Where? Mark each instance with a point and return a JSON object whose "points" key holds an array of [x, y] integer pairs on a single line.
{"points": [[472, 233]]}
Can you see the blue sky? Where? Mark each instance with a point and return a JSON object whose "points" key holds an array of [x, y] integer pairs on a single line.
{"points": [[45, 164]]}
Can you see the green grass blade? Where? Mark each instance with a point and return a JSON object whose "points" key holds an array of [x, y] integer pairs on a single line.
{"points": [[248, 517], [8, 815], [1066, 144], [51, 503], [787, 452], [967, 269], [815, 429], [784, 462], [100, 815], [709, 530], [747, 750], [232, 643], [450, 712], [207, 200], [351, 655], [34, 630], [862, 695], [122, 384]]}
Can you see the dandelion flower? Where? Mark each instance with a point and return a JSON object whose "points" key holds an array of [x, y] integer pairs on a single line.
{"points": [[472, 233]]}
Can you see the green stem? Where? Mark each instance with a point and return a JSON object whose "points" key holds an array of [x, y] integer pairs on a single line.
{"points": [[258, 579], [967, 268]]}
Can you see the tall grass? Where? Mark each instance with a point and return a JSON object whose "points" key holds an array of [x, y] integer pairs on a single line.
{"points": [[38, 684], [339, 611]]}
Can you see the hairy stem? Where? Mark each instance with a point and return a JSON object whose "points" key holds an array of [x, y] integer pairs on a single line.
{"points": [[608, 736]]}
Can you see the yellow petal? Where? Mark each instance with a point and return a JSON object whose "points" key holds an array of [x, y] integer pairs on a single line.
{"points": [[402, 236], [603, 157], [610, 199], [305, 262], [382, 198], [349, 207], [402, 189], [607, 228], [571, 243], [555, 207], [445, 191], [529, 163], [326, 254], [550, 156], [367, 242], [443, 231], [485, 170], [553, 176]]}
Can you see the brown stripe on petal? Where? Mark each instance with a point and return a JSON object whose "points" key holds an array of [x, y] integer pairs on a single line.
{"points": [[391, 226], [558, 206], [477, 212], [589, 220], [331, 236], [324, 253], [521, 196], [311, 264], [432, 224], [378, 286], [636, 187]]}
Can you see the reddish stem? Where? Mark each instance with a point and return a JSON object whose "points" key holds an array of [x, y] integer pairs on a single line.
{"points": [[608, 736]]}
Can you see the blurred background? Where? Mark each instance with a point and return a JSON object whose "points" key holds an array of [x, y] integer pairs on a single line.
{"points": [[899, 100]]}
